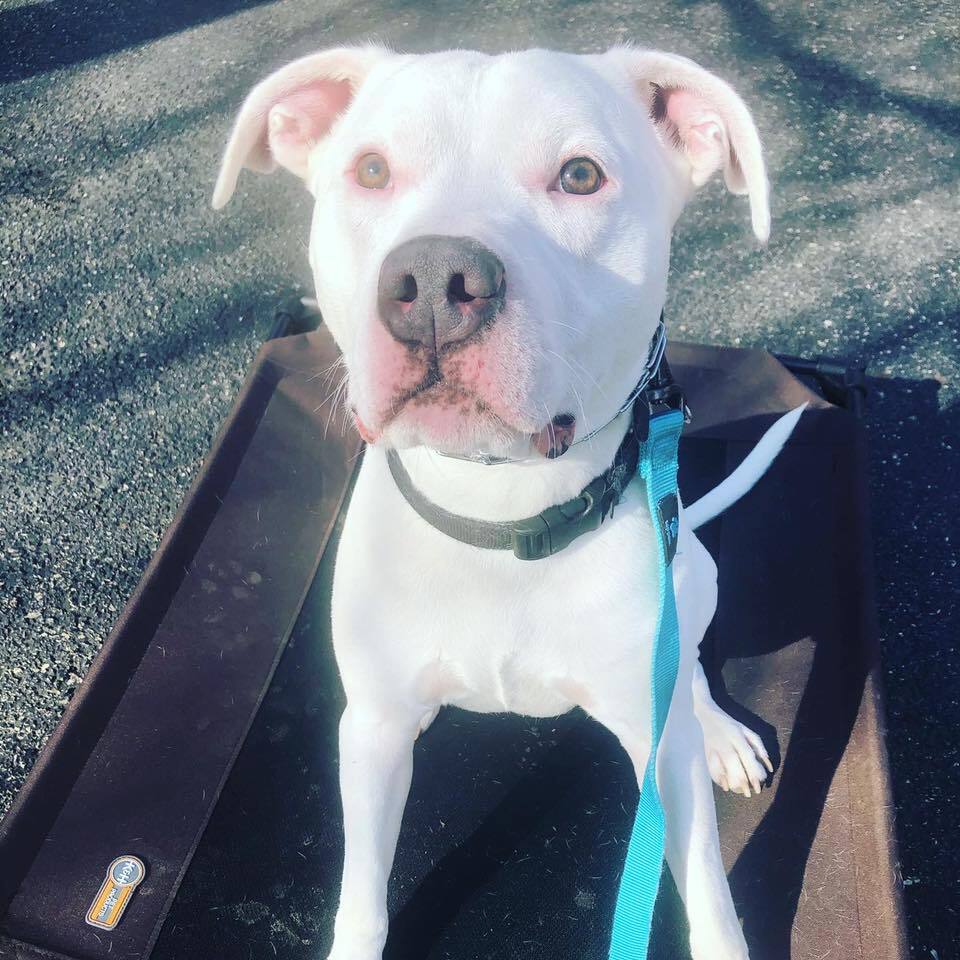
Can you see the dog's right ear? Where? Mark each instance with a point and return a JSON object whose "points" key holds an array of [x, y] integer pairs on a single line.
{"points": [[286, 115], [703, 124]]}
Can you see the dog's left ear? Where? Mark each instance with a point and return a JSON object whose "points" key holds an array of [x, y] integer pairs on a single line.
{"points": [[703, 123], [286, 115]]}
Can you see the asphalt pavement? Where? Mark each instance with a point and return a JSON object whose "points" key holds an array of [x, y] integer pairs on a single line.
{"points": [[129, 310]]}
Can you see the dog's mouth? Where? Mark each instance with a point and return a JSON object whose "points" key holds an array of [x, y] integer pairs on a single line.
{"points": [[556, 438], [437, 395]]}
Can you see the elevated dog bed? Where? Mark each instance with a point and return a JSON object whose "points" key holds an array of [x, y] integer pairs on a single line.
{"points": [[203, 741]]}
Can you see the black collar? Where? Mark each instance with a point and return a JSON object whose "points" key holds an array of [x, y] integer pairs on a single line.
{"points": [[555, 528]]}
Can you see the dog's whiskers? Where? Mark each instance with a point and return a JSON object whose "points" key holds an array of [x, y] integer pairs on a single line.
{"points": [[334, 399], [560, 323], [586, 421], [576, 392], [331, 394], [593, 379], [327, 372]]}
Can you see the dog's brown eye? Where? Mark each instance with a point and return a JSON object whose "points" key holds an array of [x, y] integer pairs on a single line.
{"points": [[580, 175], [372, 171]]}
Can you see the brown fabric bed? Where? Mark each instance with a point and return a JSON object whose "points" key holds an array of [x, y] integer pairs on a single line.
{"points": [[515, 829]]}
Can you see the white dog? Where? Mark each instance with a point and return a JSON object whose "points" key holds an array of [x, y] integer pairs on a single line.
{"points": [[490, 245]]}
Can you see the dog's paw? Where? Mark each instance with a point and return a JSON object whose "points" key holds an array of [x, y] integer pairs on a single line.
{"points": [[736, 756], [427, 719]]}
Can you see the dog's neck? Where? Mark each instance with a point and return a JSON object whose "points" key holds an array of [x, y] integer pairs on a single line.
{"points": [[512, 491]]}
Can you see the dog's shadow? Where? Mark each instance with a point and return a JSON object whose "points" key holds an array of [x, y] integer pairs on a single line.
{"points": [[788, 655], [791, 654], [537, 814]]}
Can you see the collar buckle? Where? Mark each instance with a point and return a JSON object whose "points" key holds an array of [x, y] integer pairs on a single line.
{"points": [[557, 527]]}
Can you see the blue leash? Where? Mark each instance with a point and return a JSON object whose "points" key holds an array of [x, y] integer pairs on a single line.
{"points": [[644, 863]]}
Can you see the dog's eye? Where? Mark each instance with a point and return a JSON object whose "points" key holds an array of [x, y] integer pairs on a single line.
{"points": [[581, 176], [372, 171]]}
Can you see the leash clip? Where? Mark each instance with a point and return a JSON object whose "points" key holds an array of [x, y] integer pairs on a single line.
{"points": [[658, 401]]}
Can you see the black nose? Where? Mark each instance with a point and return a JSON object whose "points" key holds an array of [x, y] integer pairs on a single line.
{"points": [[435, 291]]}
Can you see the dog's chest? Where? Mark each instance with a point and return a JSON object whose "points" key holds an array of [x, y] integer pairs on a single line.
{"points": [[483, 630]]}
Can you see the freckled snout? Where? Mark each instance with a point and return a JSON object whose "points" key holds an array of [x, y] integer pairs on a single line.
{"points": [[438, 291]]}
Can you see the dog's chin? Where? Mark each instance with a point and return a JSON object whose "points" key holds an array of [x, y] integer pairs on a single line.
{"points": [[471, 430], [453, 433]]}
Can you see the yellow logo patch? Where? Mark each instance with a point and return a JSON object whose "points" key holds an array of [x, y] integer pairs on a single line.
{"points": [[123, 877]]}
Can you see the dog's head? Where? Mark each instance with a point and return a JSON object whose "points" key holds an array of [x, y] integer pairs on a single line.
{"points": [[491, 235]]}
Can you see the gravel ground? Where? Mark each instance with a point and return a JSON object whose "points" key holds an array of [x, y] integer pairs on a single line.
{"points": [[130, 310]]}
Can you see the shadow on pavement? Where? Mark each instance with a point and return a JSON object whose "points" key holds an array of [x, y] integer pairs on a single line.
{"points": [[40, 37], [824, 80]]}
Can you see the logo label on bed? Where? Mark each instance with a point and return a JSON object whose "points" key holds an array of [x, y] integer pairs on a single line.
{"points": [[123, 877]]}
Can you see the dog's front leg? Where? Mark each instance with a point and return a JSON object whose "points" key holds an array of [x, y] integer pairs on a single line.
{"points": [[376, 764], [692, 844], [692, 840], [619, 698]]}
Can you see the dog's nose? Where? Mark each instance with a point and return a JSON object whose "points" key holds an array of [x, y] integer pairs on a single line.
{"points": [[435, 291]]}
